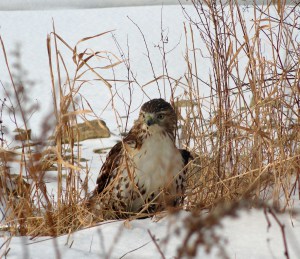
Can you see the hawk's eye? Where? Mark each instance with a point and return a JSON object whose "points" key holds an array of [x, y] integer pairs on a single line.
{"points": [[160, 116]]}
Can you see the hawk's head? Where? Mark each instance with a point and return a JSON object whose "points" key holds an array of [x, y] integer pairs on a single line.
{"points": [[158, 114]]}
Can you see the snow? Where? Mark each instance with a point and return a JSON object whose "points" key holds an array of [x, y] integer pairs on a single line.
{"points": [[248, 235], [74, 25]]}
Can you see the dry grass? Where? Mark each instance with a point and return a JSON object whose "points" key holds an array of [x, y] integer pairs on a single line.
{"points": [[246, 133], [244, 148]]}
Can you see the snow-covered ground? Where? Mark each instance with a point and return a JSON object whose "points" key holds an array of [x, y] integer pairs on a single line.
{"points": [[244, 237], [73, 25], [248, 235]]}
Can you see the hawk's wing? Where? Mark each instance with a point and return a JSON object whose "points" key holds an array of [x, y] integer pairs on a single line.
{"points": [[114, 159]]}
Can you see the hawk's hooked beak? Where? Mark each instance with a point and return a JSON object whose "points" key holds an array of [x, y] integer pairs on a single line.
{"points": [[149, 120]]}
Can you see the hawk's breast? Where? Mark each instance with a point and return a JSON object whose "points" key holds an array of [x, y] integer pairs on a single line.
{"points": [[157, 162]]}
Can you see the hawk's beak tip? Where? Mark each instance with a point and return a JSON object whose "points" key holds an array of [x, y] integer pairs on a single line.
{"points": [[149, 121]]}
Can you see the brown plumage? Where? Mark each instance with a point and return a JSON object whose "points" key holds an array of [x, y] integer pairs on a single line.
{"points": [[145, 167]]}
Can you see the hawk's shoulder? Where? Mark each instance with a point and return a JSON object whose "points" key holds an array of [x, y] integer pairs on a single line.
{"points": [[186, 156], [114, 157]]}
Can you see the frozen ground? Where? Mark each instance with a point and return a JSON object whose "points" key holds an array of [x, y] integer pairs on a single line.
{"points": [[248, 235], [73, 25], [244, 237]]}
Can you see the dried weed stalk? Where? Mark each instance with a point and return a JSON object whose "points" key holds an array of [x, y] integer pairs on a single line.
{"points": [[245, 135]]}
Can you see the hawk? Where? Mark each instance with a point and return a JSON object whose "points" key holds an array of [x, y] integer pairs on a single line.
{"points": [[145, 171]]}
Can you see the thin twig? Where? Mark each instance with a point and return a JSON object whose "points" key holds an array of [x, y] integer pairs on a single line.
{"points": [[157, 246], [134, 249], [282, 228]]}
